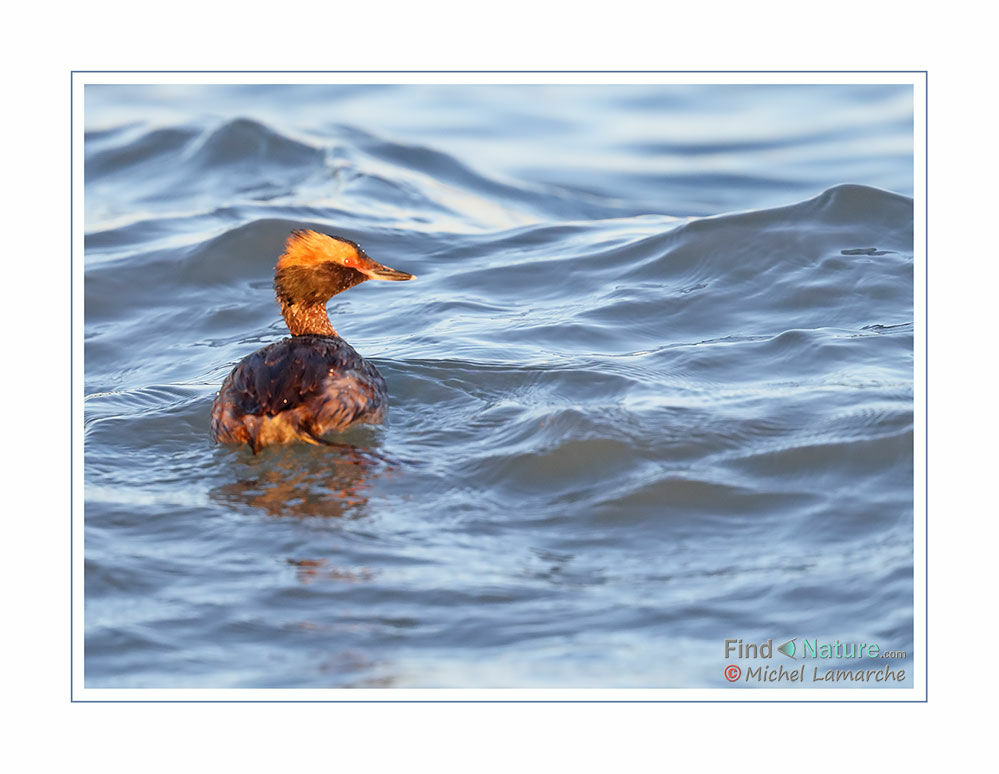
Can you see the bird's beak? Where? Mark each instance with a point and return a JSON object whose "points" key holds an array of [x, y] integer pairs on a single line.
{"points": [[376, 271]]}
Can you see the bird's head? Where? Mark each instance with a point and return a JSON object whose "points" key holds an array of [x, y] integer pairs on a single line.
{"points": [[315, 267]]}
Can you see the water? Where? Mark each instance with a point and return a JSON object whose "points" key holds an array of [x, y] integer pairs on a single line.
{"points": [[652, 388]]}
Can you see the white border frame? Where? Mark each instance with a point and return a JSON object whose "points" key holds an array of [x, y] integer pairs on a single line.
{"points": [[918, 80]]}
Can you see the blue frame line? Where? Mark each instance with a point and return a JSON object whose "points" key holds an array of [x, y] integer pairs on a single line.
{"points": [[926, 386]]}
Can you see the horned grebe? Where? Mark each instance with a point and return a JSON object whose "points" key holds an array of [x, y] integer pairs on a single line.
{"points": [[300, 388]]}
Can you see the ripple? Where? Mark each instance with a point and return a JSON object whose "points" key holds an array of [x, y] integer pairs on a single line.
{"points": [[245, 142]]}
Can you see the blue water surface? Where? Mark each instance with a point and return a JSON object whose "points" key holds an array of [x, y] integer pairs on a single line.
{"points": [[652, 389]]}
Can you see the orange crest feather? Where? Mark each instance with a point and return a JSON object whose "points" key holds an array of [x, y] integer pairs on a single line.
{"points": [[307, 248]]}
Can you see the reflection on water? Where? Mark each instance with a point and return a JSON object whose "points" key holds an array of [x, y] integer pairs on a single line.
{"points": [[332, 482], [310, 570]]}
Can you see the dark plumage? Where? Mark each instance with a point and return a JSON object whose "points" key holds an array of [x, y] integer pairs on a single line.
{"points": [[313, 383]]}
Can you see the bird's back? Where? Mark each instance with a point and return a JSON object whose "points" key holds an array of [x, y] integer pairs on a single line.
{"points": [[297, 389]]}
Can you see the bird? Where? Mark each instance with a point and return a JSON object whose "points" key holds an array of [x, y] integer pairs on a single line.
{"points": [[313, 382]]}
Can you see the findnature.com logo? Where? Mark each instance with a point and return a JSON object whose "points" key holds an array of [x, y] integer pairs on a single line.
{"points": [[805, 649]]}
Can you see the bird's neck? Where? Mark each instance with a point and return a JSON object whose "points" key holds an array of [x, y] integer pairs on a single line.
{"points": [[303, 318]]}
